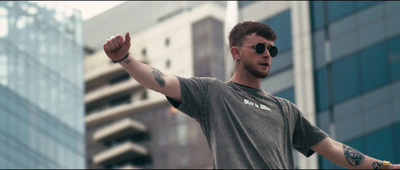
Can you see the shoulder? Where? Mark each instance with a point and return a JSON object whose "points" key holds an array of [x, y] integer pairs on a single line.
{"points": [[286, 105], [281, 100], [203, 80], [199, 82]]}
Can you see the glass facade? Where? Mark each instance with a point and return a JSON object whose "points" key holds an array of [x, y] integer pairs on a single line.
{"points": [[356, 74], [282, 65], [41, 86], [242, 4]]}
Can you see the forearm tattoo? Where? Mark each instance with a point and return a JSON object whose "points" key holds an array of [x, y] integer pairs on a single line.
{"points": [[353, 157], [159, 77], [128, 61], [377, 165]]}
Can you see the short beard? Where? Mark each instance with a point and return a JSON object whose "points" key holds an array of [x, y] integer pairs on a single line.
{"points": [[247, 66]]}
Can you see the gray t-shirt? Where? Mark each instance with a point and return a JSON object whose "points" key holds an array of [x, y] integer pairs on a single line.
{"points": [[242, 132]]}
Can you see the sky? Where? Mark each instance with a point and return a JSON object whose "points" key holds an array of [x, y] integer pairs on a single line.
{"points": [[89, 8]]}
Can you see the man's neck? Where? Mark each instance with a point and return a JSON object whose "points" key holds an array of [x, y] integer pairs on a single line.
{"points": [[246, 80]]}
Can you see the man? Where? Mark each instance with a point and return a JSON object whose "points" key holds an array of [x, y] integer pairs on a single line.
{"points": [[245, 126]]}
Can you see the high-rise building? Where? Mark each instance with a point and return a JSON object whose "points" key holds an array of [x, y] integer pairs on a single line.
{"points": [[356, 66], [41, 86], [339, 63], [128, 125]]}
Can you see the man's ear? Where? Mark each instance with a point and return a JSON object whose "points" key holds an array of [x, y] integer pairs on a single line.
{"points": [[235, 53]]}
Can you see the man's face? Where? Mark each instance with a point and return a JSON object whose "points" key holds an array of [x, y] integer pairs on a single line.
{"points": [[256, 64]]}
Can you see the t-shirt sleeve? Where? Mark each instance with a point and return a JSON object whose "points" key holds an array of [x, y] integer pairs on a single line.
{"points": [[194, 92], [305, 134]]}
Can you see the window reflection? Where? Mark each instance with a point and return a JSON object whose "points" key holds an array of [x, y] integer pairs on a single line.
{"points": [[40, 87], [281, 24]]}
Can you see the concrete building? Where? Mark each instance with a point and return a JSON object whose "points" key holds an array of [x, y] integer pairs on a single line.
{"points": [[41, 87], [129, 126]]}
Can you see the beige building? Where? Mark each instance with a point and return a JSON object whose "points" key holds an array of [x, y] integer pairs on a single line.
{"points": [[129, 126]]}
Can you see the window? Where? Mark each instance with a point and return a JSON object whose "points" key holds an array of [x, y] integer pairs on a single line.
{"points": [[144, 52], [144, 96], [374, 71], [242, 4], [363, 4], [345, 78], [317, 14], [380, 144], [287, 94], [120, 101], [281, 24], [119, 79], [397, 142], [338, 9], [3, 70], [168, 63], [394, 58], [324, 163], [282, 62], [321, 89], [318, 47], [167, 42]]}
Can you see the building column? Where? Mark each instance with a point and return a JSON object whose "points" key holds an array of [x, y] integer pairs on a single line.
{"points": [[303, 70]]}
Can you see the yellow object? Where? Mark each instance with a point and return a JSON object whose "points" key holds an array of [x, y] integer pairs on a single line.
{"points": [[385, 165]]}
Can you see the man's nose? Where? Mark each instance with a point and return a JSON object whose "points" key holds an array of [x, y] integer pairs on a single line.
{"points": [[266, 54]]}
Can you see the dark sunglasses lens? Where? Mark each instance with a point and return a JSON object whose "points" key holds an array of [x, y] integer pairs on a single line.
{"points": [[260, 48], [273, 51]]}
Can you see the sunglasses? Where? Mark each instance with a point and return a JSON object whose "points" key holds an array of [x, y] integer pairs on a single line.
{"points": [[260, 48]]}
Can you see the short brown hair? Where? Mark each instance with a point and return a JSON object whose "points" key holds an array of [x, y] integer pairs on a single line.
{"points": [[241, 30]]}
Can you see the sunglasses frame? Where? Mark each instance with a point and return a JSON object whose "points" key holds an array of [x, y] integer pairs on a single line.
{"points": [[273, 50]]}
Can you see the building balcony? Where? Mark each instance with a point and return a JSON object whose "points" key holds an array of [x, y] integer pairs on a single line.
{"points": [[99, 68], [104, 72], [120, 153], [129, 166], [105, 93], [122, 110], [123, 128]]}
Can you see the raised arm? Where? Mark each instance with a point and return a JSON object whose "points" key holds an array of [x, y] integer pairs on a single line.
{"points": [[348, 157], [116, 48]]}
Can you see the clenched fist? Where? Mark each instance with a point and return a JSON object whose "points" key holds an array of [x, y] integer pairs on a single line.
{"points": [[116, 47]]}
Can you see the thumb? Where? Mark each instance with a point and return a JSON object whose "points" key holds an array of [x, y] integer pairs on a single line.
{"points": [[127, 39]]}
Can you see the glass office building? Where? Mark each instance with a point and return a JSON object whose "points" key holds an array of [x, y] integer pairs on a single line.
{"points": [[283, 65], [357, 74], [41, 86]]}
